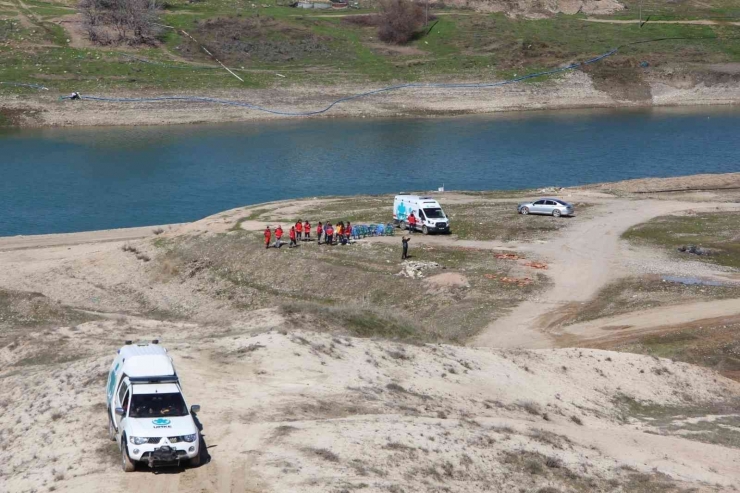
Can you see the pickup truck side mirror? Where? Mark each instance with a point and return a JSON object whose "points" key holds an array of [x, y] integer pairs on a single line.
{"points": [[120, 411], [195, 408]]}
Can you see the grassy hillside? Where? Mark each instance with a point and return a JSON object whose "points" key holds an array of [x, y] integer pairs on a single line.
{"points": [[43, 42]]}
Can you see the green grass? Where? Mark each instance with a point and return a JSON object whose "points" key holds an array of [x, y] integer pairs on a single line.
{"points": [[722, 430], [639, 293], [710, 344], [460, 47], [500, 221], [356, 286], [718, 231]]}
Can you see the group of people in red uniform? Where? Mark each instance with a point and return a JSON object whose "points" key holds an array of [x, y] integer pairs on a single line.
{"points": [[340, 233]]}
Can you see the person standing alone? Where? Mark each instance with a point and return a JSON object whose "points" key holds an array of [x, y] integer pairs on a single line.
{"points": [[405, 243]]}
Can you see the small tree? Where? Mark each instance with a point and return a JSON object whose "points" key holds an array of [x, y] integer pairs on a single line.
{"points": [[134, 21], [400, 21]]}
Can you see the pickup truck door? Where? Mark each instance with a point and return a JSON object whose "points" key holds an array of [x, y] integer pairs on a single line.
{"points": [[122, 400]]}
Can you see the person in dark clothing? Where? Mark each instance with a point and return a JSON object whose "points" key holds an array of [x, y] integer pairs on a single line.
{"points": [[405, 243]]}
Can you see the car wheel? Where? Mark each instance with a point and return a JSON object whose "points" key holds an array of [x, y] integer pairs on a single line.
{"points": [[111, 431], [425, 230], [524, 211], [126, 462], [556, 213], [195, 461]]}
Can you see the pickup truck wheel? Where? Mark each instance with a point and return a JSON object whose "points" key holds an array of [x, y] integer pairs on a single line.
{"points": [[425, 230], [111, 431], [126, 462], [195, 461]]}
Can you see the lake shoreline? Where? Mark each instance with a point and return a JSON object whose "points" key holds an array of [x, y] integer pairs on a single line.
{"points": [[705, 182], [573, 91]]}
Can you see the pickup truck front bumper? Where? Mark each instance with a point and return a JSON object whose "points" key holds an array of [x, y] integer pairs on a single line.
{"points": [[155, 455]]}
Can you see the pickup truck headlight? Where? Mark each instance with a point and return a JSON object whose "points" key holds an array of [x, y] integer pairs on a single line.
{"points": [[138, 440], [190, 438]]}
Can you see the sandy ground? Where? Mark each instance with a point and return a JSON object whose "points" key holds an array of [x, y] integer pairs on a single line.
{"points": [[287, 409], [569, 91]]}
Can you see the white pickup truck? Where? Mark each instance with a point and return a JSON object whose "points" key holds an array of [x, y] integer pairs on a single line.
{"points": [[147, 414]]}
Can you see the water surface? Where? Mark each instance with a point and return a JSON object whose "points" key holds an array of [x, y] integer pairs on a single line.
{"points": [[78, 179]]}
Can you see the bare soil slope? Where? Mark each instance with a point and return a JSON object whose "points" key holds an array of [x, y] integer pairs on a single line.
{"points": [[293, 400]]}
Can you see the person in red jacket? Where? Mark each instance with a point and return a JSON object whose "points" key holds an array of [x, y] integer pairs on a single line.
{"points": [[268, 236], [328, 234], [307, 231], [298, 229], [319, 231], [278, 236], [412, 222], [348, 232], [292, 234]]}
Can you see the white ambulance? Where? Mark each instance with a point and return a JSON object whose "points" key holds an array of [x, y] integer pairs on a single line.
{"points": [[147, 414], [430, 218]]}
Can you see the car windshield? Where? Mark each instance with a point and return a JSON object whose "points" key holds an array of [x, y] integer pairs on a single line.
{"points": [[435, 213], [157, 405]]}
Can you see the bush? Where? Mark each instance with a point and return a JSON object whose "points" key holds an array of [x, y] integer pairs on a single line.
{"points": [[364, 20], [399, 21], [130, 22]]}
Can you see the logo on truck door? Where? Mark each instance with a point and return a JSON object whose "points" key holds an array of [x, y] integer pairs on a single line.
{"points": [[161, 423]]}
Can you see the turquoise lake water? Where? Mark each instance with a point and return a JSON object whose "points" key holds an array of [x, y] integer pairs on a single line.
{"points": [[79, 179]]}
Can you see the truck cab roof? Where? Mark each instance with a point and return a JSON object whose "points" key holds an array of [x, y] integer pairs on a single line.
{"points": [[156, 388], [145, 362]]}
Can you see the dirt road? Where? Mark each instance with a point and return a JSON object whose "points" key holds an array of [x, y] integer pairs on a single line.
{"points": [[582, 261]]}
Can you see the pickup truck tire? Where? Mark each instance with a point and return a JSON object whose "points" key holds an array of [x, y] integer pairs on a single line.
{"points": [[126, 462], [195, 461]]}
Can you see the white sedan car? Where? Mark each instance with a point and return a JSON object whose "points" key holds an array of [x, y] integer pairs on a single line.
{"points": [[549, 207]]}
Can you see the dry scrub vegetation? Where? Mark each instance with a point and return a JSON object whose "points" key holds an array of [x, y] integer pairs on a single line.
{"points": [[639, 293], [132, 22], [356, 288]]}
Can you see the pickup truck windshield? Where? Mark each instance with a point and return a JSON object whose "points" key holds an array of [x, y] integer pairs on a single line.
{"points": [[435, 213], [157, 405]]}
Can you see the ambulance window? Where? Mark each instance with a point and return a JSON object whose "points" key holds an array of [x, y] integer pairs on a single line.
{"points": [[434, 213], [124, 403], [122, 391]]}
